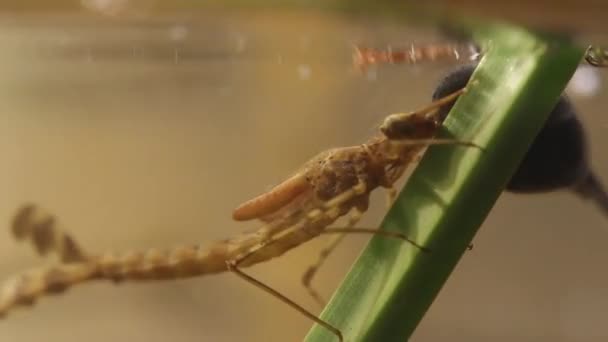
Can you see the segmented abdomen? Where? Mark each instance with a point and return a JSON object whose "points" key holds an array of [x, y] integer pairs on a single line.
{"points": [[153, 264], [180, 262]]}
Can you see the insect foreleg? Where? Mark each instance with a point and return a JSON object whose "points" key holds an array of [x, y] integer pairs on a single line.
{"points": [[433, 141], [433, 106], [597, 56], [391, 195], [375, 231], [310, 273]]}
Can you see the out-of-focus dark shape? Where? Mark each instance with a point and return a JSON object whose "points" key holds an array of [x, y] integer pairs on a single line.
{"points": [[558, 158]]}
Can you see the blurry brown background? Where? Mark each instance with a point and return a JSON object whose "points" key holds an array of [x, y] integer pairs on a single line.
{"points": [[142, 130]]}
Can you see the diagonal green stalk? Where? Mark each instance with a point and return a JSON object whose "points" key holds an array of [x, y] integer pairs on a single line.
{"points": [[447, 198]]}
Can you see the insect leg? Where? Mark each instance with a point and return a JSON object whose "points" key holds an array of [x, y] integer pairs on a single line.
{"points": [[375, 231], [327, 209], [429, 142], [310, 273], [233, 266], [391, 195], [441, 102], [32, 223]]}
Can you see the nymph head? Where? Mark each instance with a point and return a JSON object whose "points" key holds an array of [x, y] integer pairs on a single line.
{"points": [[405, 126]]}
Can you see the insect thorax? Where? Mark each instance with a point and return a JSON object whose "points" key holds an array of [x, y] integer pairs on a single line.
{"points": [[341, 170]]}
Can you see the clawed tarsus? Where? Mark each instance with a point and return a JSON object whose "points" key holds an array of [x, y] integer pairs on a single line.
{"points": [[597, 56], [331, 185]]}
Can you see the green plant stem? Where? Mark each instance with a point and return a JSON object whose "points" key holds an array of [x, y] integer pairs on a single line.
{"points": [[449, 195]]}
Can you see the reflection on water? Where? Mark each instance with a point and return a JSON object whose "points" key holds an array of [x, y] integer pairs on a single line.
{"points": [[148, 133]]}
